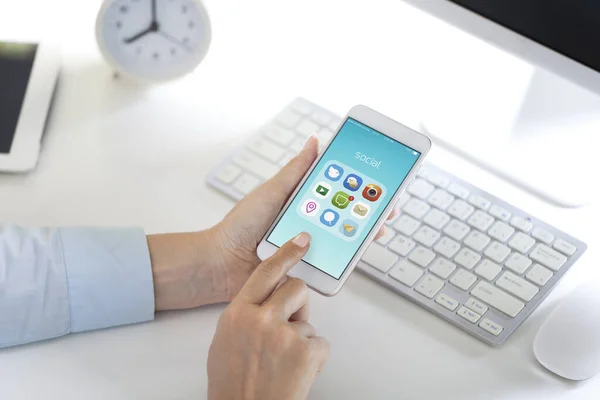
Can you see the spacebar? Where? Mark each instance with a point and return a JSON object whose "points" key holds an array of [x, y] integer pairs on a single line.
{"points": [[497, 299]]}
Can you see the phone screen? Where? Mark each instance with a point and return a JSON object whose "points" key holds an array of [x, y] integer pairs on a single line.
{"points": [[344, 196]]}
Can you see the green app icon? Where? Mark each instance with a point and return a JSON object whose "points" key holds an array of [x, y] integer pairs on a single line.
{"points": [[322, 190], [340, 200]]}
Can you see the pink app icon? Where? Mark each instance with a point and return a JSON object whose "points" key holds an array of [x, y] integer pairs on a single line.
{"points": [[310, 207]]}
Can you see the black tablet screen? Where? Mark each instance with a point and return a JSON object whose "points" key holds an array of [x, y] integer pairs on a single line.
{"points": [[16, 63]]}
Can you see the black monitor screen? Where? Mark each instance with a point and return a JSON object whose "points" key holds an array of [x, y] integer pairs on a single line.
{"points": [[16, 63], [569, 27]]}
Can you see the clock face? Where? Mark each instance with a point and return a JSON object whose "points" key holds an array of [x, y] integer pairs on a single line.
{"points": [[153, 39]]}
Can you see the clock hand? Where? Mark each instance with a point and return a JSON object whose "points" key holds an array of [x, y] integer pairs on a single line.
{"points": [[154, 18], [174, 40], [139, 35]]}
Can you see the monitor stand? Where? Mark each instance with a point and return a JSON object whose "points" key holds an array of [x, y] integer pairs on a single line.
{"points": [[536, 130]]}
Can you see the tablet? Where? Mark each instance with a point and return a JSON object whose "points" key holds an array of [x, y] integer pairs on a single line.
{"points": [[28, 75]]}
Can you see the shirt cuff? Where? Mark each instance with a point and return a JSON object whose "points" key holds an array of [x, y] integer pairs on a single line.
{"points": [[109, 277]]}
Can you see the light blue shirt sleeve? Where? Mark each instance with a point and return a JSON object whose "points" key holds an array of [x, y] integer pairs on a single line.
{"points": [[57, 281]]}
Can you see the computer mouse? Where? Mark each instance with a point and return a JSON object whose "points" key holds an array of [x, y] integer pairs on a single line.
{"points": [[568, 343]]}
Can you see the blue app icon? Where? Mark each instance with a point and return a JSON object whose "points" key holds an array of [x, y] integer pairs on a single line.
{"points": [[348, 228], [329, 217], [334, 172], [353, 182]]}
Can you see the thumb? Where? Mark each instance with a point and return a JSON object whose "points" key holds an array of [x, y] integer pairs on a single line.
{"points": [[266, 201]]}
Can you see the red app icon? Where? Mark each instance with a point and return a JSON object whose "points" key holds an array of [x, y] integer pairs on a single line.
{"points": [[371, 192]]}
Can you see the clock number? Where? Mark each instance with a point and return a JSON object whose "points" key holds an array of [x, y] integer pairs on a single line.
{"points": [[191, 24], [186, 39], [184, 9], [156, 56], [119, 24], [124, 9]]}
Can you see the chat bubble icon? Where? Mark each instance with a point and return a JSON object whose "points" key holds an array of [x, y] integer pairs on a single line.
{"points": [[341, 200]]}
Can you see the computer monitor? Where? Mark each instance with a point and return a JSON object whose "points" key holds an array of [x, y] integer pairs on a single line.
{"points": [[553, 114]]}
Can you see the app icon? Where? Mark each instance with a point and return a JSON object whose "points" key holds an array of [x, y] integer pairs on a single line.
{"points": [[329, 217], [353, 182], [310, 207], [371, 192], [348, 228], [322, 189], [334, 172], [360, 210], [341, 200]]}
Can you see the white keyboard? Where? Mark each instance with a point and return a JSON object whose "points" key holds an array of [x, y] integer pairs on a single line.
{"points": [[464, 254]]}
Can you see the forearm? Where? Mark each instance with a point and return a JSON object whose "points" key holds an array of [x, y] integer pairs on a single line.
{"points": [[186, 270]]}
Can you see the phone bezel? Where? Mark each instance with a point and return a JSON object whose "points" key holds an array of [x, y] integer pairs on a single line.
{"points": [[315, 278]]}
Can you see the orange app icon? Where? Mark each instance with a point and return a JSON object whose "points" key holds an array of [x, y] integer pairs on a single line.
{"points": [[371, 192]]}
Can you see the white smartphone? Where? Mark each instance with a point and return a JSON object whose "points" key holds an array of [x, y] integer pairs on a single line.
{"points": [[345, 197]]}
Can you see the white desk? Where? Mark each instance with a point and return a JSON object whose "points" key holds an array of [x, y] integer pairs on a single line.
{"points": [[117, 154]]}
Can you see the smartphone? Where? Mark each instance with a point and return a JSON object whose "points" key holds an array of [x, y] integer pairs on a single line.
{"points": [[346, 196]]}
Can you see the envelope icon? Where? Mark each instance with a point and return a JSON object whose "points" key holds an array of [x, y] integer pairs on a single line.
{"points": [[360, 210]]}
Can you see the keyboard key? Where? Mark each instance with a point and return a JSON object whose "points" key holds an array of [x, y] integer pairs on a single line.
{"points": [[521, 242], [500, 213], [246, 183], [402, 245], [463, 279], [481, 220], [479, 201], [467, 258], [476, 306], [517, 286], [423, 172], [334, 125], [429, 286], [256, 165], [439, 180], [436, 219], [497, 298], [279, 135], [440, 199], [385, 239], [421, 188], [469, 315], [460, 209], [458, 191], [447, 247], [539, 275], [521, 224], [497, 252], [442, 267], [488, 270], [477, 240], [297, 145], [406, 273], [307, 127], [490, 326], [446, 301], [543, 236], [379, 257], [518, 263], [548, 257], [406, 225], [321, 118], [267, 149], [288, 119], [324, 135], [301, 107], [228, 173], [565, 247], [501, 231], [416, 208], [426, 236], [421, 256], [456, 230], [404, 198], [286, 159]]}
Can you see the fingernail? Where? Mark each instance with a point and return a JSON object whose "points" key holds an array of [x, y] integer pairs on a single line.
{"points": [[302, 240], [312, 137]]}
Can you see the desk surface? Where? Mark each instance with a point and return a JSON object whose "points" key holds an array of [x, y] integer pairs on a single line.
{"points": [[119, 154]]}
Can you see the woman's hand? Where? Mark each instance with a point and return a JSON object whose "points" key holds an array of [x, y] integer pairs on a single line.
{"points": [[194, 269], [262, 349], [240, 232]]}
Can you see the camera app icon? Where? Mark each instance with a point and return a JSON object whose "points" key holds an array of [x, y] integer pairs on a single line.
{"points": [[372, 192]]}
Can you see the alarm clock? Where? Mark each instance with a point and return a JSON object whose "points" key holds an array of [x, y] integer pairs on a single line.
{"points": [[153, 40]]}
